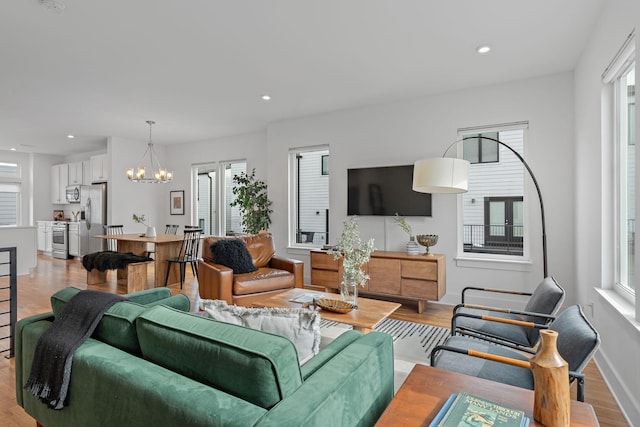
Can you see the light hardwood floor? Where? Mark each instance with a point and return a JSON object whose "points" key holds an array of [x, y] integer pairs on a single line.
{"points": [[53, 274]]}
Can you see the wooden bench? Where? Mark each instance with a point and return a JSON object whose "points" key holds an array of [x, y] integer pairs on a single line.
{"points": [[135, 274]]}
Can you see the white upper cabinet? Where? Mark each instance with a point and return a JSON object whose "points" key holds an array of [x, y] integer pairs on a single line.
{"points": [[75, 173], [59, 182], [99, 168]]}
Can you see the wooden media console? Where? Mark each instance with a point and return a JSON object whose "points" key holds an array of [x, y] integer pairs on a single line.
{"points": [[393, 274]]}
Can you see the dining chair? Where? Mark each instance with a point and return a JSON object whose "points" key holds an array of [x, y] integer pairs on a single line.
{"points": [[111, 230], [169, 229], [486, 322], [188, 254], [577, 342]]}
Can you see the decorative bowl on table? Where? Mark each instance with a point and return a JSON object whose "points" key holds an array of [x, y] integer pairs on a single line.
{"points": [[335, 305], [427, 240]]}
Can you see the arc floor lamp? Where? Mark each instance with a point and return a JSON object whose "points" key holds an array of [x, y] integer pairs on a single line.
{"points": [[451, 175]]}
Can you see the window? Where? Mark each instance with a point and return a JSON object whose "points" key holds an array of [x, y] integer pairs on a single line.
{"points": [[309, 217], [619, 93], [213, 184], [624, 95], [493, 208], [479, 150], [9, 194]]}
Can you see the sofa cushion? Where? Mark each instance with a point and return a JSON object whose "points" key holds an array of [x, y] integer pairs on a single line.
{"points": [[117, 327], [259, 367], [260, 247], [263, 280], [234, 254], [301, 326]]}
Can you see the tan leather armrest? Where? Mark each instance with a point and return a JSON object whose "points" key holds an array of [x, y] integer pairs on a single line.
{"points": [[294, 266], [215, 281]]}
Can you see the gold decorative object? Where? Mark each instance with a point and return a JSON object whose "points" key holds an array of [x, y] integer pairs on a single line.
{"points": [[334, 305], [427, 240]]}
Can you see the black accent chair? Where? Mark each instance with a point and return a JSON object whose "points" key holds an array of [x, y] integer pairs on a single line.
{"points": [[577, 342], [485, 322]]}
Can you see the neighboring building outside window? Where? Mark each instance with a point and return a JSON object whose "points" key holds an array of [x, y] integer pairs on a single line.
{"points": [[493, 209], [309, 196]]}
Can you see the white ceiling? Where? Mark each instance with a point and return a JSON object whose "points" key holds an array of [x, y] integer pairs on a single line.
{"points": [[199, 67]]}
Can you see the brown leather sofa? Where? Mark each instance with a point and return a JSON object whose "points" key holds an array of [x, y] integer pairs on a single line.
{"points": [[274, 274]]}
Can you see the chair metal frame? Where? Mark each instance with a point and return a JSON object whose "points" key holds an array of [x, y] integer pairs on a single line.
{"points": [[542, 319], [579, 377]]}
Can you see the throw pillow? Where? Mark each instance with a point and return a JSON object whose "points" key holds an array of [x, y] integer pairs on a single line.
{"points": [[234, 254], [300, 325]]}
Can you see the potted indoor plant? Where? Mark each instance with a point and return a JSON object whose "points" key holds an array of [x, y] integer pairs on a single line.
{"points": [[251, 198], [413, 248], [355, 254]]}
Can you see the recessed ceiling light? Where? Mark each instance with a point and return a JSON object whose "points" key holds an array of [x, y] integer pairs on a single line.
{"points": [[483, 49], [12, 148], [70, 136], [266, 98]]}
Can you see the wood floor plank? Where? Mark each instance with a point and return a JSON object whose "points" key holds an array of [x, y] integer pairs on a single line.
{"points": [[51, 275]]}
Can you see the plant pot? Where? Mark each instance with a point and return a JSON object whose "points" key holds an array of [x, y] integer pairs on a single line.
{"points": [[151, 232], [349, 292], [413, 247]]}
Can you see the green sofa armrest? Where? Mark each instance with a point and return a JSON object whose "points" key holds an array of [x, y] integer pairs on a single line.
{"points": [[19, 351], [327, 353], [351, 389]]}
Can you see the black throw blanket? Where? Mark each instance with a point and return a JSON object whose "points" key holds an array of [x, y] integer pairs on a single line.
{"points": [[51, 366], [110, 260]]}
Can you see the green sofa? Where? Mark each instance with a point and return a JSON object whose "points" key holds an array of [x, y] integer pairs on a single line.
{"points": [[152, 363]]}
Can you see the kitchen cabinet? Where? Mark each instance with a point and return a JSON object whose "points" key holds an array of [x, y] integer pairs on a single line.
{"points": [[99, 168], [74, 239], [86, 172], [40, 236], [48, 240], [75, 173], [393, 274], [59, 182]]}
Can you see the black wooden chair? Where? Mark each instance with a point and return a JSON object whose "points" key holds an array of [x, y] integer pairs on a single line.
{"points": [[111, 230], [170, 229], [188, 254]]}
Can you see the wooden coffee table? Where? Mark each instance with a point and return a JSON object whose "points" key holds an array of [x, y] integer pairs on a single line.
{"points": [[426, 389], [365, 318]]}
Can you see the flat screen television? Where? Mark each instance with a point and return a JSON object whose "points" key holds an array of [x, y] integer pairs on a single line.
{"points": [[385, 191]]}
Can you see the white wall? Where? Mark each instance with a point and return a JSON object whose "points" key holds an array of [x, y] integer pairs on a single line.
{"points": [[42, 206], [124, 198], [403, 132], [594, 247]]}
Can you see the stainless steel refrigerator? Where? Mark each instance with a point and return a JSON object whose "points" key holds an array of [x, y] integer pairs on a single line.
{"points": [[94, 199]]}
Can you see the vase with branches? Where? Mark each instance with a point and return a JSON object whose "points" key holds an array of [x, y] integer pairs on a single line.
{"points": [[355, 253], [141, 219], [251, 199], [413, 248]]}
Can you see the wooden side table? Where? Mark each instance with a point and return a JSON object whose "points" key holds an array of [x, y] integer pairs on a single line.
{"points": [[426, 390]]}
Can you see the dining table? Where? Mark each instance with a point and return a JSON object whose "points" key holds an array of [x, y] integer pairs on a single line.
{"points": [[166, 246]]}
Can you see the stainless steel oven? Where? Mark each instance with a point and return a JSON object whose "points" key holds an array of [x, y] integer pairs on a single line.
{"points": [[60, 240]]}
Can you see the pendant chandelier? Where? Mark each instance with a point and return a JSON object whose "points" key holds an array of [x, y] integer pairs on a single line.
{"points": [[148, 170]]}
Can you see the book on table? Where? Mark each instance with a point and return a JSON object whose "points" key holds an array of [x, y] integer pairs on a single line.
{"points": [[306, 298], [467, 410]]}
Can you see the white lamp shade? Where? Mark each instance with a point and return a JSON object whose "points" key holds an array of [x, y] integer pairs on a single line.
{"points": [[441, 175]]}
